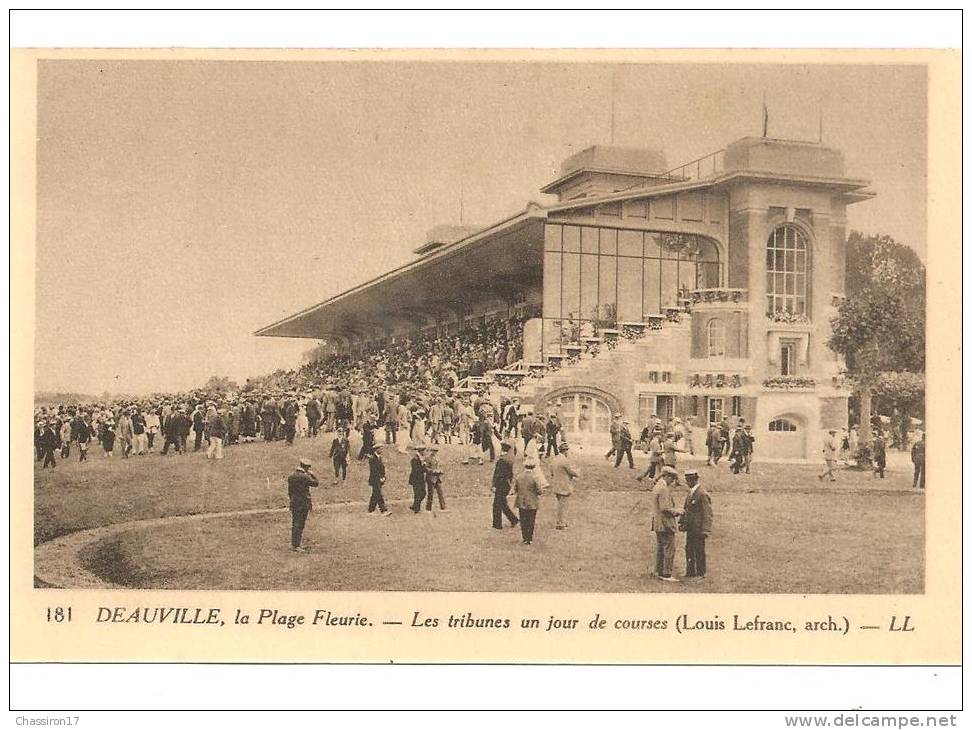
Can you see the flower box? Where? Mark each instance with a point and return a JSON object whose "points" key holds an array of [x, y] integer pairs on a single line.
{"points": [[789, 382]]}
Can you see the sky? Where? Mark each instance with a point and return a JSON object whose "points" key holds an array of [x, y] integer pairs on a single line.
{"points": [[182, 205]]}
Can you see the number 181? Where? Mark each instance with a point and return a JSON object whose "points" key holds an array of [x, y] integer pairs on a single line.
{"points": [[58, 615]]}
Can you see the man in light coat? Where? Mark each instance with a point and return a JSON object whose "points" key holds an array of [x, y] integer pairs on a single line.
{"points": [[663, 523], [528, 491], [562, 476], [831, 447], [124, 434]]}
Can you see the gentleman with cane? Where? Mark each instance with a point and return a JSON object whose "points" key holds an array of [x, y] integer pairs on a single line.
{"points": [[298, 488]]}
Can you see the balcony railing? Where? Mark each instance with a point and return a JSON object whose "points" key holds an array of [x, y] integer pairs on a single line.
{"points": [[704, 167], [707, 166]]}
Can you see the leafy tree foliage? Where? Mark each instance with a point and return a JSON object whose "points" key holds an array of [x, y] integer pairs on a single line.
{"points": [[220, 384], [880, 326]]}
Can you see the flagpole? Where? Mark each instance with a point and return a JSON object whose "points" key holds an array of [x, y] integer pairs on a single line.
{"points": [[614, 76], [765, 117], [820, 123]]}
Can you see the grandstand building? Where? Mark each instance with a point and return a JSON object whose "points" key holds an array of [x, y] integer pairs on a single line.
{"points": [[704, 291]]}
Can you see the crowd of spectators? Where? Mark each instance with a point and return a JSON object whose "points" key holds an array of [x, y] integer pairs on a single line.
{"points": [[421, 362], [419, 373]]}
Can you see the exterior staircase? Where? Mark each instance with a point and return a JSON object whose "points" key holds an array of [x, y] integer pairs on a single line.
{"points": [[591, 360]]}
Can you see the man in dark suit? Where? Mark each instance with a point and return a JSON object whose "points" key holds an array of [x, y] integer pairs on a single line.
{"points": [[713, 443], [741, 447], [553, 430], [367, 438], [48, 442], [269, 418], [748, 458], [176, 428], [624, 445], [696, 523], [502, 480], [340, 449], [879, 454], [376, 478], [528, 428], [615, 433], [198, 425], [313, 410], [416, 478], [298, 489], [486, 434], [918, 459], [288, 411]]}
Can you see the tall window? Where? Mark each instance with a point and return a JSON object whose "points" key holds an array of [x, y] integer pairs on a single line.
{"points": [[787, 357], [646, 407], [787, 265], [716, 409], [603, 275], [716, 338]]}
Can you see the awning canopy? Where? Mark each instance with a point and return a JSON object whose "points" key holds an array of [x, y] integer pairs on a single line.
{"points": [[494, 263]]}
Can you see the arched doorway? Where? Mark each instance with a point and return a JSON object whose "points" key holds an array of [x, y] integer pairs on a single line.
{"points": [[585, 413]]}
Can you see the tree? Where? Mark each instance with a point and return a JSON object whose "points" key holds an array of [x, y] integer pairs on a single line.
{"points": [[903, 394], [220, 384], [880, 326]]}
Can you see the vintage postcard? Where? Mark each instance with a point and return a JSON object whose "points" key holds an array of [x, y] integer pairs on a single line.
{"points": [[624, 357]]}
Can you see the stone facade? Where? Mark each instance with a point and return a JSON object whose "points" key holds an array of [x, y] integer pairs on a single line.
{"points": [[755, 346]]}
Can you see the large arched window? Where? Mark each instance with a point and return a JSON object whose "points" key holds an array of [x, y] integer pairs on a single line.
{"points": [[787, 267], [715, 332]]}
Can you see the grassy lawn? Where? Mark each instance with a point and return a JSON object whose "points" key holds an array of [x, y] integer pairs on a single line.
{"points": [[778, 530]]}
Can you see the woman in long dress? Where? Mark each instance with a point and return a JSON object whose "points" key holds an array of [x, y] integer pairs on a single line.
{"points": [[533, 450], [302, 422]]}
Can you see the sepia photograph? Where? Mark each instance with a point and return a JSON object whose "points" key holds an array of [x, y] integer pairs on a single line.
{"points": [[480, 325]]}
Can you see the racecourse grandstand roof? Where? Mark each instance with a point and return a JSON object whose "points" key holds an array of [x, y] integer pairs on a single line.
{"points": [[499, 259], [458, 267]]}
